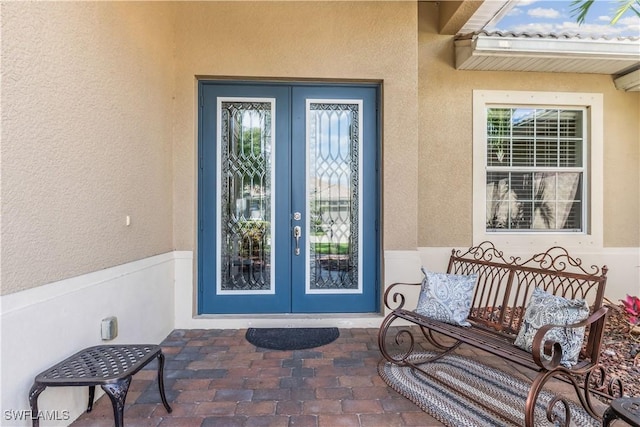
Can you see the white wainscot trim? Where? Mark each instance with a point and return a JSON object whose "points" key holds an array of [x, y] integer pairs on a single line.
{"points": [[623, 276], [43, 325], [187, 317], [403, 267], [623, 264], [399, 266], [624, 271]]}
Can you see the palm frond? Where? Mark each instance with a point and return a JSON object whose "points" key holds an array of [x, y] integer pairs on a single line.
{"points": [[625, 6], [581, 8]]}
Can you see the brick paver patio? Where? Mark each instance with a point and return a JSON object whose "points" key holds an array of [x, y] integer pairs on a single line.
{"points": [[217, 378]]}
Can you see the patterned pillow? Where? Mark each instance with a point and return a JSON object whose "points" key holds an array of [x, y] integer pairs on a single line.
{"points": [[446, 297], [545, 308]]}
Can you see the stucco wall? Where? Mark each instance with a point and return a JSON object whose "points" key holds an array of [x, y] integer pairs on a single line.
{"points": [[87, 116], [445, 138], [293, 40], [99, 121]]}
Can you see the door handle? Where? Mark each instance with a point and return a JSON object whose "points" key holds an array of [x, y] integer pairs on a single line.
{"points": [[297, 232]]}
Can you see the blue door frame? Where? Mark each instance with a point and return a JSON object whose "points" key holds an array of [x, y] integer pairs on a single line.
{"points": [[289, 274]]}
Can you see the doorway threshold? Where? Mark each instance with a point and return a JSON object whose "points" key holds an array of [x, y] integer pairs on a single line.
{"points": [[320, 320]]}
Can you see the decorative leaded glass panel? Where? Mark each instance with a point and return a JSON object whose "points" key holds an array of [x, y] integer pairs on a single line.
{"points": [[333, 198], [246, 183]]}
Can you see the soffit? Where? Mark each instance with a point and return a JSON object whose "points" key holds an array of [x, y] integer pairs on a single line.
{"points": [[545, 53], [477, 49], [453, 15], [467, 16]]}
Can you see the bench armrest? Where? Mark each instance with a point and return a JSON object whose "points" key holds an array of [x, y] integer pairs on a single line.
{"points": [[552, 348], [394, 299]]}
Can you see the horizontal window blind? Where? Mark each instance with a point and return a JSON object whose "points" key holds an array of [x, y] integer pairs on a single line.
{"points": [[535, 169]]}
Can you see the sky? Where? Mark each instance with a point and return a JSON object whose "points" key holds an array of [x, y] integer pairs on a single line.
{"points": [[538, 16]]}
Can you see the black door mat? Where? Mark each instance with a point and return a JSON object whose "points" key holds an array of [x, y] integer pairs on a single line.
{"points": [[291, 338]]}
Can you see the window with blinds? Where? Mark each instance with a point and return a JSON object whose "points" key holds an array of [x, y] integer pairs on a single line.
{"points": [[535, 169]]}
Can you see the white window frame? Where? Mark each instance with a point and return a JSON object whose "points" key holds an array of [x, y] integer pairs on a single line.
{"points": [[593, 145]]}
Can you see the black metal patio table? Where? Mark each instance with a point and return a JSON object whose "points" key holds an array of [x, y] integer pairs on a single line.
{"points": [[624, 408], [109, 366]]}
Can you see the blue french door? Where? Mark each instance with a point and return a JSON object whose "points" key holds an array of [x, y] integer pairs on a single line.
{"points": [[288, 198]]}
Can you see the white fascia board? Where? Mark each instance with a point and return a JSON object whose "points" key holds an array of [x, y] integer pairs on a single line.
{"points": [[587, 48]]}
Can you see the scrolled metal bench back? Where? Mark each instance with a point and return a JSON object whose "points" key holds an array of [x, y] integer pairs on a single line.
{"points": [[505, 286]]}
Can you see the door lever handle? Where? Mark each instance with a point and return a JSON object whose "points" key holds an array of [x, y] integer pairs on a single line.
{"points": [[297, 232]]}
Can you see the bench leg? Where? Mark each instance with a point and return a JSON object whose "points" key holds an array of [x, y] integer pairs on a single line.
{"points": [[117, 392], [557, 405], [35, 391], [161, 382]]}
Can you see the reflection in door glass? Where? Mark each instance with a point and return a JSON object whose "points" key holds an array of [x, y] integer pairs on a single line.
{"points": [[245, 217], [333, 171]]}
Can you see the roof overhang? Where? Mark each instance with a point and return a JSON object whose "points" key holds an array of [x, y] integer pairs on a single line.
{"points": [[491, 52], [629, 82]]}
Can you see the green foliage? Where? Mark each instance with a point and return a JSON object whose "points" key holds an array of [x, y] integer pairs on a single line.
{"points": [[332, 248], [316, 221], [252, 162], [581, 9], [254, 234]]}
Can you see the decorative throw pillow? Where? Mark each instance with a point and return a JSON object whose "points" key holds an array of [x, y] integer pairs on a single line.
{"points": [[545, 308], [446, 297]]}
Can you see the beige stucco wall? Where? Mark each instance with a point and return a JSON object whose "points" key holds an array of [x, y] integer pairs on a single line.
{"points": [[87, 117], [296, 40], [445, 138], [99, 121]]}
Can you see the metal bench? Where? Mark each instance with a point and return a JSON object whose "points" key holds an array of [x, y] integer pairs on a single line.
{"points": [[499, 302], [109, 366]]}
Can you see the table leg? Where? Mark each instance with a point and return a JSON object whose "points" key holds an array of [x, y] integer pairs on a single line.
{"points": [[117, 392], [92, 393], [607, 417], [161, 382], [35, 391]]}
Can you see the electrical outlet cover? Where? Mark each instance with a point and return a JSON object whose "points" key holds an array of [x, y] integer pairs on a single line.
{"points": [[109, 328]]}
